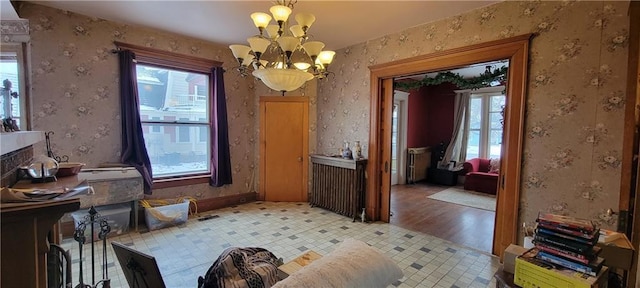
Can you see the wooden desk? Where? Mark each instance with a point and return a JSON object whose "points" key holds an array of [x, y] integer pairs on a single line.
{"points": [[25, 227]]}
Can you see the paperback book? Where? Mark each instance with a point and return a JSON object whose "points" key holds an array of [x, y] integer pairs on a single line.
{"points": [[581, 258], [564, 244], [567, 222], [590, 269], [549, 232], [572, 232]]}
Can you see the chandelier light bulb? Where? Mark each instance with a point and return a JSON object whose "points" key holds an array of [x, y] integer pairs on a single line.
{"points": [[240, 51], [258, 45], [313, 48], [302, 65], [280, 13], [326, 57], [297, 31], [261, 20], [247, 61], [272, 31], [288, 43], [305, 20]]}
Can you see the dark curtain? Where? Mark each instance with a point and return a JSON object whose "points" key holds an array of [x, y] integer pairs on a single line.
{"points": [[220, 157], [134, 152]]}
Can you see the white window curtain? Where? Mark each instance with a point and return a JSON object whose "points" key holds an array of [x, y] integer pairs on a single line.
{"points": [[457, 149]]}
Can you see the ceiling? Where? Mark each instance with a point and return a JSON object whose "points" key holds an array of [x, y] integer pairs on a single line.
{"points": [[339, 24]]}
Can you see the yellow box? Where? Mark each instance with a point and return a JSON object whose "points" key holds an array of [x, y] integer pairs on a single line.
{"points": [[533, 273]]}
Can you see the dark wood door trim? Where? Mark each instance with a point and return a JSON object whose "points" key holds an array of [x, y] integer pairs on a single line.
{"points": [[514, 49]]}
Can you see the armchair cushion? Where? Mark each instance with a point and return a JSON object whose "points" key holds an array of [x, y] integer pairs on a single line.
{"points": [[478, 178], [477, 165]]}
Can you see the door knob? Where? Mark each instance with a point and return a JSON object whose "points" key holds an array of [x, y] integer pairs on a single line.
{"points": [[299, 159]]}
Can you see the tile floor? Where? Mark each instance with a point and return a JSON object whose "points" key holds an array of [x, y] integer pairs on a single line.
{"points": [[287, 229]]}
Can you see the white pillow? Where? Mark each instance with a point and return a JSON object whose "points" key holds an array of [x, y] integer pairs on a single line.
{"points": [[353, 264], [494, 165]]}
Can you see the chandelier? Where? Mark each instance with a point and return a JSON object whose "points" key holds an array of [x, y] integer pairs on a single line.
{"points": [[282, 56]]}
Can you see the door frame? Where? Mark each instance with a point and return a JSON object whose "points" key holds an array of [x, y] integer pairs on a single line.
{"points": [[305, 142], [516, 50], [630, 175]]}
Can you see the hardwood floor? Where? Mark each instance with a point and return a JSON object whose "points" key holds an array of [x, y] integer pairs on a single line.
{"points": [[467, 226]]}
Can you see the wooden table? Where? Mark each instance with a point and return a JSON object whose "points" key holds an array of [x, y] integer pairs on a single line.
{"points": [[25, 227]]}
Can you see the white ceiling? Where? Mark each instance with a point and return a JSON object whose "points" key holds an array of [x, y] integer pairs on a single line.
{"points": [[339, 24]]}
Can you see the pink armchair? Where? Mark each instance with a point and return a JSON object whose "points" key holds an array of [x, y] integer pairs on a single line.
{"points": [[478, 178]]}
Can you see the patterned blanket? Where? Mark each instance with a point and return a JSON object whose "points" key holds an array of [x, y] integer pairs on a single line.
{"points": [[249, 267]]}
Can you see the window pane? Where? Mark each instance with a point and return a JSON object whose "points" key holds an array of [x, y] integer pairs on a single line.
{"points": [[475, 111], [10, 100], [496, 120], [495, 141], [497, 102], [473, 144], [170, 157], [204, 133], [176, 94], [180, 145]]}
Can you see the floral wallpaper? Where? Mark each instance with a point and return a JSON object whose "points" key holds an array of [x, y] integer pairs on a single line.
{"points": [[74, 90], [575, 98]]}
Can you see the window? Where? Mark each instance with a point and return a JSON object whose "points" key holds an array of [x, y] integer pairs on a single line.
{"points": [[11, 85], [485, 125], [174, 92], [174, 120]]}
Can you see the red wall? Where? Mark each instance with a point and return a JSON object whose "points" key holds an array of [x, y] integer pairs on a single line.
{"points": [[430, 119], [417, 115]]}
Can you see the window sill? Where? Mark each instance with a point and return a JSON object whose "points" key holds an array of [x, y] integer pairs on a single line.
{"points": [[182, 181]]}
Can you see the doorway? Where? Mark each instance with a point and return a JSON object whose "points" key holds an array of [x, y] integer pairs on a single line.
{"points": [[514, 49], [436, 201]]}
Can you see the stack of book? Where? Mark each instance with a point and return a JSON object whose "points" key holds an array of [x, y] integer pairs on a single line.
{"points": [[568, 242]]}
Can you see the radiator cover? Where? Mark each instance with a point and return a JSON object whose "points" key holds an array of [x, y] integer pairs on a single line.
{"points": [[338, 184]]}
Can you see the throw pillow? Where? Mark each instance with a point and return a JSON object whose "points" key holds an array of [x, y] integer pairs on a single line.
{"points": [[353, 264], [494, 165]]}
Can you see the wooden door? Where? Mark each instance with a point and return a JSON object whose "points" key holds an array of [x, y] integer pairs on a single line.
{"points": [[284, 133], [386, 106]]}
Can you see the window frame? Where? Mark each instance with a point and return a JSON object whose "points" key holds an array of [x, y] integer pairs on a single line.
{"points": [[168, 60], [484, 145]]}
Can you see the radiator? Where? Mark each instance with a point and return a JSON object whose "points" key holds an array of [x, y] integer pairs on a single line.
{"points": [[338, 185], [418, 162]]}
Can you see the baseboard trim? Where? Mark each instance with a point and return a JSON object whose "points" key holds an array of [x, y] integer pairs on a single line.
{"points": [[209, 204], [204, 205]]}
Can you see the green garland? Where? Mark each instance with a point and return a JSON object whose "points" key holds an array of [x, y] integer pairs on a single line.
{"points": [[481, 81]]}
